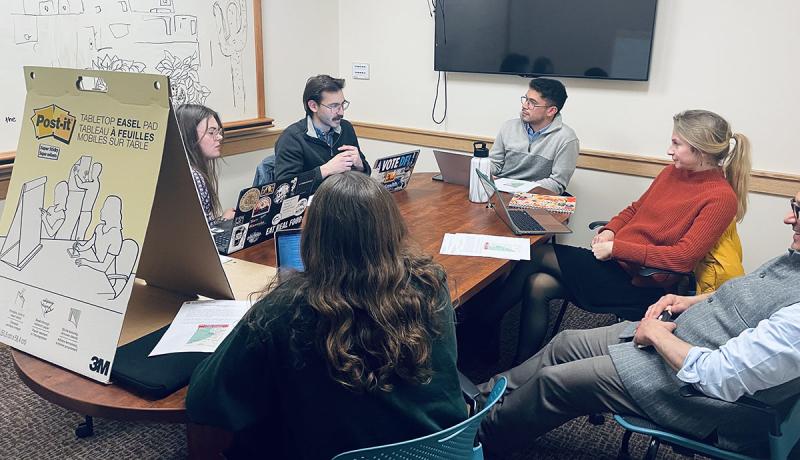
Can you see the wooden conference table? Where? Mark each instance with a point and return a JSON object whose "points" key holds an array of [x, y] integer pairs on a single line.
{"points": [[430, 208]]}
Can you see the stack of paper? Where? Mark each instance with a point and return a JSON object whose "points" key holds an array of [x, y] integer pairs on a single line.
{"points": [[499, 247]]}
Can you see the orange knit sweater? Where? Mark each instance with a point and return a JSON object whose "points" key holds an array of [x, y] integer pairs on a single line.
{"points": [[673, 224]]}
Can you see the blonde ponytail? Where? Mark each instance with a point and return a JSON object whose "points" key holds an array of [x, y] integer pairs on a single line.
{"points": [[737, 167], [710, 134]]}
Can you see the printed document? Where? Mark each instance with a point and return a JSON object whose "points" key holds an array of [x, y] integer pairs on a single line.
{"points": [[201, 325], [514, 185], [499, 247]]}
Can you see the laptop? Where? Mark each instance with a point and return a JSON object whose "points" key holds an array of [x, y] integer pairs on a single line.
{"points": [[521, 221], [394, 172], [454, 167], [262, 210]]}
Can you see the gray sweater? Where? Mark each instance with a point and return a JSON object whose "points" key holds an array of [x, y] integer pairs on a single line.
{"points": [[737, 305], [550, 159]]}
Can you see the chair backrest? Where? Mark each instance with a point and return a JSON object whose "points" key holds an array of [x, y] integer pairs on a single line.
{"points": [[123, 264], [722, 263], [456, 443], [265, 171]]}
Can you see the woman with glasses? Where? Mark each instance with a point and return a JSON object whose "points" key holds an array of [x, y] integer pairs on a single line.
{"points": [[672, 226], [201, 130], [356, 351]]}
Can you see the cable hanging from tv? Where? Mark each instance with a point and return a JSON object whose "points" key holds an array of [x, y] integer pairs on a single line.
{"points": [[436, 99], [432, 5]]}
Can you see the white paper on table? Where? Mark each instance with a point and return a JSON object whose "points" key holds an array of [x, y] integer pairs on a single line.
{"points": [[201, 325], [514, 185], [498, 247], [225, 259]]}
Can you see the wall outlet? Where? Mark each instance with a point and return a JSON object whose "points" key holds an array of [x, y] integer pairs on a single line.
{"points": [[360, 71]]}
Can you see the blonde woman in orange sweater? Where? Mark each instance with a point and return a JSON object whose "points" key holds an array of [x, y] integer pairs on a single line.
{"points": [[671, 226]]}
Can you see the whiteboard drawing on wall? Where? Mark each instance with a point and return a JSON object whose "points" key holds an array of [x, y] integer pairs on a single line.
{"points": [[24, 237], [206, 47], [231, 19], [183, 78]]}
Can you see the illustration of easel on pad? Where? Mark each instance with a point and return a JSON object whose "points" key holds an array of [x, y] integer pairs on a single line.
{"points": [[24, 238]]}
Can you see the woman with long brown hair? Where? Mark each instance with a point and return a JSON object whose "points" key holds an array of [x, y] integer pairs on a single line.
{"points": [[201, 130], [358, 350]]}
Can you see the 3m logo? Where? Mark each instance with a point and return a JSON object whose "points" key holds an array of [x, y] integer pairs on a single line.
{"points": [[99, 365], [53, 121]]}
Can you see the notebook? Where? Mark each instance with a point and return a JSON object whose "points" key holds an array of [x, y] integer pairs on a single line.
{"points": [[552, 203], [262, 210], [521, 221], [394, 172], [454, 167]]}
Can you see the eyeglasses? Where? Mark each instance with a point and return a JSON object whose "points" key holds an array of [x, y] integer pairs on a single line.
{"points": [[795, 208], [530, 103], [213, 132], [336, 106]]}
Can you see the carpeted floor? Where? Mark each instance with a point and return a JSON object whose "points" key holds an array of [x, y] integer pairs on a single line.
{"points": [[34, 428]]}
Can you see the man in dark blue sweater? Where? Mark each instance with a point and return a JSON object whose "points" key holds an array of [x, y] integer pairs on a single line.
{"points": [[323, 141]]}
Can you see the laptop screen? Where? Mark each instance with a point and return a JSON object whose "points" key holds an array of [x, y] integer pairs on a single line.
{"points": [[287, 250], [497, 202]]}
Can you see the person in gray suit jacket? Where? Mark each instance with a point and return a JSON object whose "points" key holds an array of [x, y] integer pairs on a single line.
{"points": [[740, 340]]}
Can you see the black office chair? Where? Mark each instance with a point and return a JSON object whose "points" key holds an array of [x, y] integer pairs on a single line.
{"points": [[684, 287]]}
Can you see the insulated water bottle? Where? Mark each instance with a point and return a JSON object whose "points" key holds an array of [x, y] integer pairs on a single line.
{"points": [[481, 162]]}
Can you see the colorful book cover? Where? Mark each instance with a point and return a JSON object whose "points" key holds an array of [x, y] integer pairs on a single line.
{"points": [[552, 203]]}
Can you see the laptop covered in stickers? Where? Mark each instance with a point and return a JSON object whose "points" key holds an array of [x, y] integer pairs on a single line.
{"points": [[394, 171], [261, 210]]}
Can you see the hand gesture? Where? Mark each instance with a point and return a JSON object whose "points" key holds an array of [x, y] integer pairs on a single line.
{"points": [[228, 214], [602, 251], [605, 235], [649, 329], [356, 157], [676, 305], [340, 163]]}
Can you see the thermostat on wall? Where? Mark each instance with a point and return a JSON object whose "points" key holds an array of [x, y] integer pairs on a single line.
{"points": [[360, 71]]}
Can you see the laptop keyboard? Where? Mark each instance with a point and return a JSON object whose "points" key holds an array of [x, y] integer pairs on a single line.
{"points": [[222, 240], [524, 221]]}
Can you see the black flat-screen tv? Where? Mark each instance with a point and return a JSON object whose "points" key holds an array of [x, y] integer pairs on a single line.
{"points": [[607, 39]]}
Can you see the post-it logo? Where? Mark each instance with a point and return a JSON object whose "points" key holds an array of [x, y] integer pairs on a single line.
{"points": [[53, 121]]}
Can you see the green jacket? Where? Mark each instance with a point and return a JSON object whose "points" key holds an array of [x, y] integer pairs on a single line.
{"points": [[286, 406]]}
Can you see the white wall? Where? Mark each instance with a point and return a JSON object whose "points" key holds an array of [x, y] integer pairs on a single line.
{"points": [[735, 57], [301, 38]]}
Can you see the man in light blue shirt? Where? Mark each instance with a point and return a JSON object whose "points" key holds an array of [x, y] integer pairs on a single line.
{"points": [[743, 339]]}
